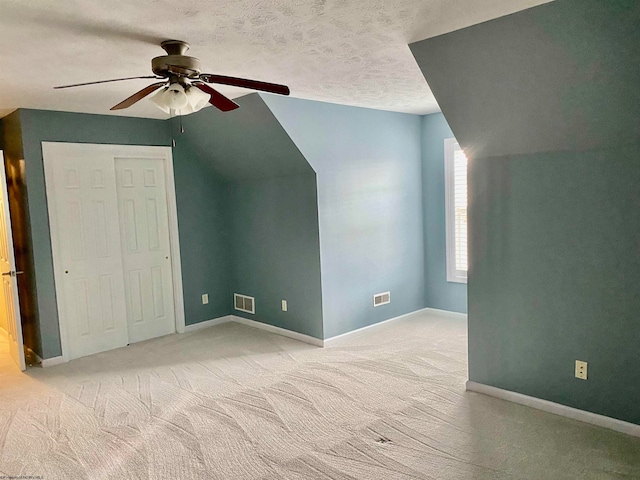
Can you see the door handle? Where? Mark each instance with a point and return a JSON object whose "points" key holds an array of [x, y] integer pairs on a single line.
{"points": [[12, 273]]}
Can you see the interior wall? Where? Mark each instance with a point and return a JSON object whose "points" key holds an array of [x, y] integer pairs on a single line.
{"points": [[547, 103], [247, 201], [276, 252], [11, 138], [264, 238], [204, 232], [439, 293], [39, 126], [368, 166]]}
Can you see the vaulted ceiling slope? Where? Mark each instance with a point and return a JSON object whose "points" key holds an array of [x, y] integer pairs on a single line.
{"points": [[338, 51], [560, 76], [246, 144]]}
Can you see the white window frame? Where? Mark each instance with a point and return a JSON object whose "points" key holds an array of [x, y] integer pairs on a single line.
{"points": [[453, 274]]}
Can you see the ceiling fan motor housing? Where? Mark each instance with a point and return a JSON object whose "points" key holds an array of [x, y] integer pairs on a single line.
{"points": [[175, 62]]}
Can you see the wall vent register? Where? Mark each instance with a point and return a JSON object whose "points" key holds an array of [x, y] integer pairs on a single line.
{"points": [[381, 299], [244, 303]]}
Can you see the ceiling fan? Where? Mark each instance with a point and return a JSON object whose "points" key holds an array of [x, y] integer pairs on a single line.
{"points": [[179, 74]]}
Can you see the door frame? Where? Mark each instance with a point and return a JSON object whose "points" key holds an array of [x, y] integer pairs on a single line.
{"points": [[15, 293], [52, 149]]}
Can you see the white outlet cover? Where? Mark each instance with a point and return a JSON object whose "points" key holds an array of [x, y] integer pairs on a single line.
{"points": [[284, 305], [581, 369], [205, 298]]}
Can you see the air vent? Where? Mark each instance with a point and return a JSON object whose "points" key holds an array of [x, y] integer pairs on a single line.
{"points": [[244, 303], [381, 299]]}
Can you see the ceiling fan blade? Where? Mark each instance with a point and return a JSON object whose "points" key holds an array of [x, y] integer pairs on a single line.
{"points": [[138, 96], [105, 81], [217, 99], [245, 83]]}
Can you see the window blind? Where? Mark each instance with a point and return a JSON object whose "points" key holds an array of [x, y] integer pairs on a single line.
{"points": [[460, 207]]}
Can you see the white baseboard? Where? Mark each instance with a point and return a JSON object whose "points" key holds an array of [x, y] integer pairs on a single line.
{"points": [[556, 408], [307, 338], [46, 362], [279, 331], [445, 313], [362, 329], [208, 323], [50, 362], [252, 323]]}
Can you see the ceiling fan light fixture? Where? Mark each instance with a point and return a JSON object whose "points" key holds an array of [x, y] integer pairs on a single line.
{"points": [[197, 100], [170, 97], [174, 97], [159, 100]]}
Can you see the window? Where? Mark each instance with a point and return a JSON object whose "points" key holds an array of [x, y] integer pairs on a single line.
{"points": [[455, 172]]}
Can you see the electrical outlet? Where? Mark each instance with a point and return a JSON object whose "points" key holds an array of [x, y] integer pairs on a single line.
{"points": [[205, 298], [581, 369], [284, 305]]}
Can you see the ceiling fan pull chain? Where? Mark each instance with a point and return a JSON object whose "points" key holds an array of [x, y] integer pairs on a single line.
{"points": [[173, 139]]}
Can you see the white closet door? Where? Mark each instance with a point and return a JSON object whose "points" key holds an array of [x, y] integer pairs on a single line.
{"points": [[146, 248], [83, 208]]}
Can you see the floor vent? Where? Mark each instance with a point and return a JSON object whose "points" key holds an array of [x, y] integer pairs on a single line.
{"points": [[381, 299], [244, 303]]}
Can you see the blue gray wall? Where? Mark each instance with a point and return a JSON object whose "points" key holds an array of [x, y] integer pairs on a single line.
{"points": [[200, 212], [245, 144], [203, 221], [547, 104], [39, 126], [276, 251], [212, 159], [439, 293], [368, 166], [264, 241], [249, 203]]}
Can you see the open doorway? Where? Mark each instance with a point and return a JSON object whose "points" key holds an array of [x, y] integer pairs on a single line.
{"points": [[11, 342]]}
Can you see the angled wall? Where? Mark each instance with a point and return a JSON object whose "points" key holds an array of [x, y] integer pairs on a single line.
{"points": [[276, 252], [546, 104], [368, 168], [267, 233], [231, 197]]}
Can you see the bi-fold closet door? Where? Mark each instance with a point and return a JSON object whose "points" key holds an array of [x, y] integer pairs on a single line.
{"points": [[111, 244]]}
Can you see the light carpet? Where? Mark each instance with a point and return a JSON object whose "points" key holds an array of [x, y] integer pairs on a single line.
{"points": [[233, 402]]}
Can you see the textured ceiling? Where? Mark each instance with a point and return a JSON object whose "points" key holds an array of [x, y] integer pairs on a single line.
{"points": [[353, 52]]}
